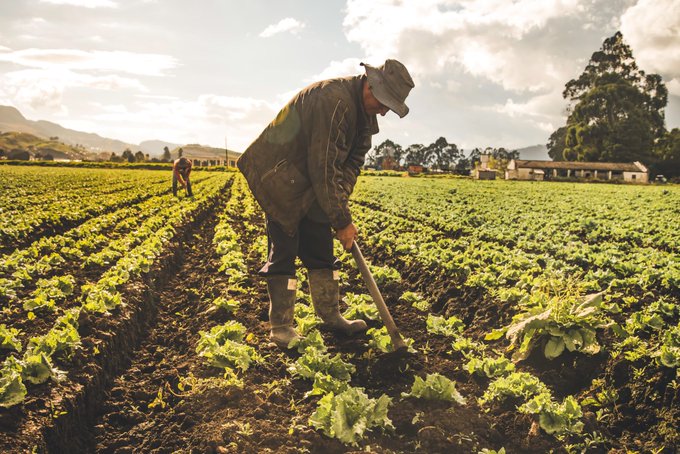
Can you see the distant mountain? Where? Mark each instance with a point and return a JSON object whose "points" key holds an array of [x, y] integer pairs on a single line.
{"points": [[193, 151], [155, 147], [12, 120], [534, 153], [39, 148]]}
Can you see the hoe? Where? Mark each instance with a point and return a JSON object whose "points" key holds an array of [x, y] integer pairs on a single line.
{"points": [[397, 341]]}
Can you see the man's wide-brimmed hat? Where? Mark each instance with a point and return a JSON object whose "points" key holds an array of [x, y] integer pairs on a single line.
{"points": [[390, 83]]}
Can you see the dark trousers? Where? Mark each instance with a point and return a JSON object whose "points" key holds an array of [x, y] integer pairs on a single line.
{"points": [[175, 183], [313, 243]]}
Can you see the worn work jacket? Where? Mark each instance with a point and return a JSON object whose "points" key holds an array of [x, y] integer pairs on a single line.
{"points": [[311, 153]]}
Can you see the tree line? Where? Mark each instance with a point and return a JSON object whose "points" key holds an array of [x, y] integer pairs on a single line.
{"points": [[615, 113], [439, 155], [129, 156]]}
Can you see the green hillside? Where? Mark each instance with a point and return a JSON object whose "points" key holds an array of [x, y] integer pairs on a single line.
{"points": [[37, 146]]}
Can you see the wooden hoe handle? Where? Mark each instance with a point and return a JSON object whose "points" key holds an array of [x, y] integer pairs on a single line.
{"points": [[385, 315]]}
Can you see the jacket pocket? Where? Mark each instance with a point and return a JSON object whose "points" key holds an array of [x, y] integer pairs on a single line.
{"points": [[284, 183]]}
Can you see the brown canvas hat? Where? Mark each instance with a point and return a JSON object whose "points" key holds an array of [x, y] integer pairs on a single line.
{"points": [[390, 83]]}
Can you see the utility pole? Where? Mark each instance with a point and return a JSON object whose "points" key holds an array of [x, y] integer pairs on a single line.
{"points": [[226, 152]]}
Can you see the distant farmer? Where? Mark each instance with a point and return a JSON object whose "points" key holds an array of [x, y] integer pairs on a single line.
{"points": [[181, 169], [302, 170]]}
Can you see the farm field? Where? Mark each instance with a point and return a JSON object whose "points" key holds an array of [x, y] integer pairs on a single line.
{"points": [[541, 316]]}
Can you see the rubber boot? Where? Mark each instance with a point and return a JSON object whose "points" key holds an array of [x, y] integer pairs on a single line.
{"points": [[326, 297], [281, 291]]}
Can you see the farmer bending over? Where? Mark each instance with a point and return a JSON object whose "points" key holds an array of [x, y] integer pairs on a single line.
{"points": [[302, 170], [181, 169]]}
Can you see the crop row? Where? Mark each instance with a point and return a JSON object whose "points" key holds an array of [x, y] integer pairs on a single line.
{"points": [[64, 197], [135, 256]]}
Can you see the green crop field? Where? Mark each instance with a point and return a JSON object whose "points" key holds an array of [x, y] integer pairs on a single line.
{"points": [[539, 317]]}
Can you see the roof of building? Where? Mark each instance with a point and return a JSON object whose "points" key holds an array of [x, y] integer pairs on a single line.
{"points": [[573, 165]]}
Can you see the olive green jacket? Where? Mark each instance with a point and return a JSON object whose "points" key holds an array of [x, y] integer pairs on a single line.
{"points": [[312, 151]]}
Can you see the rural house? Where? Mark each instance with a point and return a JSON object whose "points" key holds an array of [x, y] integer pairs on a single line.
{"points": [[482, 171], [547, 170]]}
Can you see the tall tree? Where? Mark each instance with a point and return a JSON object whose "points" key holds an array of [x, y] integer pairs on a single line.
{"points": [[166, 154], [127, 155], [180, 152], [416, 154], [556, 144], [667, 152], [615, 109], [386, 149], [442, 155]]}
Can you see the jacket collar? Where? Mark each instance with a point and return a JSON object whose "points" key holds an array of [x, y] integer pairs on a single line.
{"points": [[366, 122]]}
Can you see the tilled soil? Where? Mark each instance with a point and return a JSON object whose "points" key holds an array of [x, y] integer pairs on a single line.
{"points": [[147, 412], [167, 400]]}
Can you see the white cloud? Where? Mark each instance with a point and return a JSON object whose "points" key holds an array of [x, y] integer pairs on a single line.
{"points": [[346, 67], [207, 119], [487, 38], [673, 87], [76, 59], [84, 3], [652, 29], [284, 25], [40, 88]]}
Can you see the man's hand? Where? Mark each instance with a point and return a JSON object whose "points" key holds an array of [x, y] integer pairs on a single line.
{"points": [[347, 235]]}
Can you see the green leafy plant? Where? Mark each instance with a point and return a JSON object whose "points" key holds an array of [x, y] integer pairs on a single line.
{"points": [[381, 340], [12, 388], [312, 339], [348, 415], [61, 340], [384, 274], [305, 318], [555, 418], [315, 361], [490, 367], [228, 354], [9, 338], [37, 368], [669, 352], [517, 384], [360, 306], [416, 300], [49, 292], [451, 326], [229, 305], [222, 347], [435, 387], [562, 324]]}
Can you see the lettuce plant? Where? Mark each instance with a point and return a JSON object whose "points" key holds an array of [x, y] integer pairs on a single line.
{"points": [[381, 340], [12, 388], [384, 274], [314, 361], [360, 306], [416, 300], [518, 384], [490, 367], [229, 305], [348, 415], [9, 338], [451, 326], [555, 418], [435, 387], [222, 347], [37, 368], [562, 324]]}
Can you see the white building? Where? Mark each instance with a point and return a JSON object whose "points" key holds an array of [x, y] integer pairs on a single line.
{"points": [[547, 170]]}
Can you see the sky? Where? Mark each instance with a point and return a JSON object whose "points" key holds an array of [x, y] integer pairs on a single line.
{"points": [[487, 72]]}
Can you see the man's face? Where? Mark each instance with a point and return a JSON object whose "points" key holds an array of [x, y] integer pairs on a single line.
{"points": [[371, 103]]}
